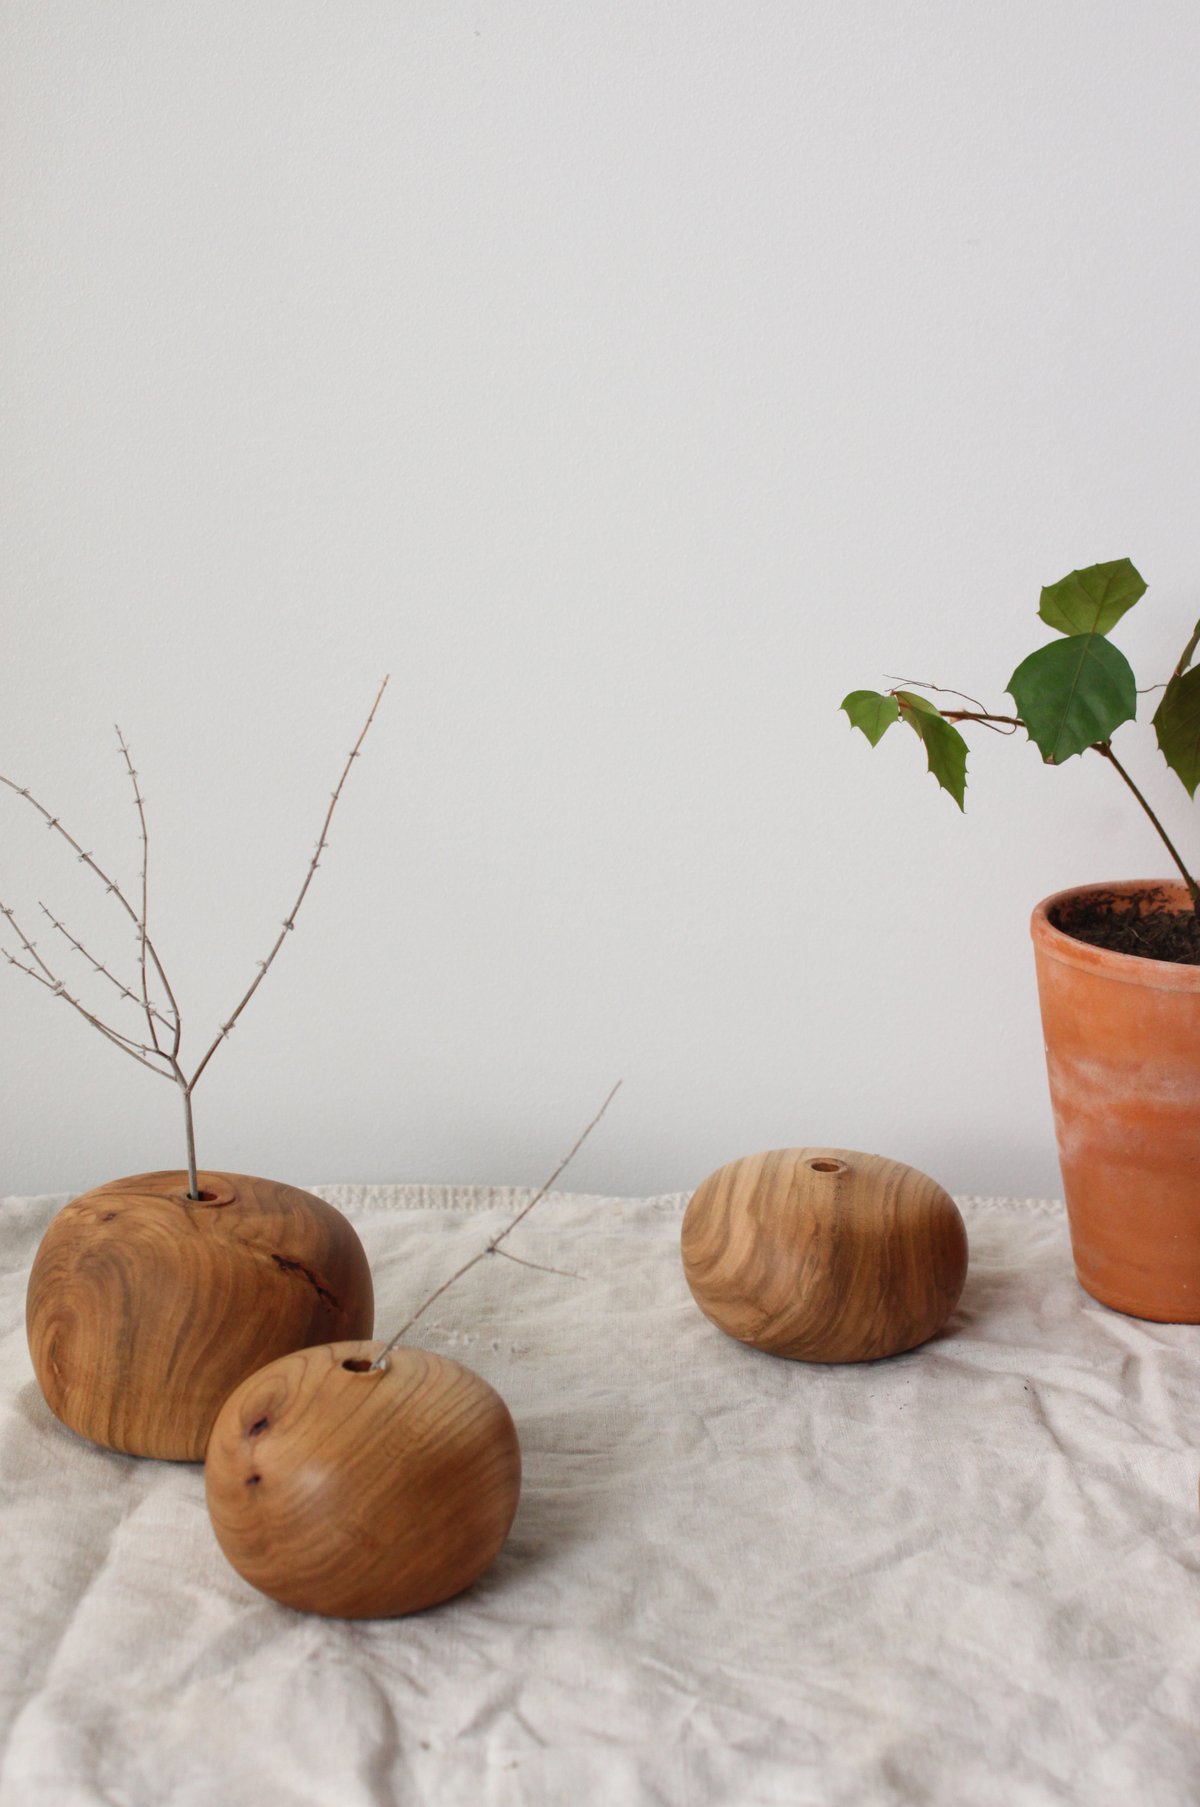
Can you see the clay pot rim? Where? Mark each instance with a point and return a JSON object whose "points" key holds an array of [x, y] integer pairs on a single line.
{"points": [[1126, 969]]}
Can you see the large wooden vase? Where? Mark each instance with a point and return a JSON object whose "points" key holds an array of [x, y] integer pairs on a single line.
{"points": [[146, 1308]]}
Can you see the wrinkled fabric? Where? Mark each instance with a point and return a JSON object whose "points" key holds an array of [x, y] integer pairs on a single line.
{"points": [[969, 1575]]}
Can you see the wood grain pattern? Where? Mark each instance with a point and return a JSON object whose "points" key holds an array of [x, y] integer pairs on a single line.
{"points": [[146, 1308], [824, 1254], [362, 1494]]}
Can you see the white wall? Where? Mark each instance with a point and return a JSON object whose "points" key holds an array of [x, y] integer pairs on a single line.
{"points": [[631, 380]]}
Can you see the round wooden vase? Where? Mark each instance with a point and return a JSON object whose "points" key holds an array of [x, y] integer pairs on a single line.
{"points": [[823, 1254], [358, 1492], [146, 1307]]}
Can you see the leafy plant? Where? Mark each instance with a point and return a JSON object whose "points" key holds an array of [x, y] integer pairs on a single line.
{"points": [[1071, 696]]}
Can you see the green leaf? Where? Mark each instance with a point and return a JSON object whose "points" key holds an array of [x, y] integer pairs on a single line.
{"points": [[1185, 657], [912, 699], [1073, 693], [871, 712], [945, 748], [1093, 600], [1177, 725]]}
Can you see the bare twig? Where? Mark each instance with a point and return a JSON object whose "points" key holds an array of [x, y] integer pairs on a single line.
{"points": [[140, 802], [565, 1272], [289, 921], [110, 885], [126, 991], [45, 975], [155, 1051], [493, 1247]]}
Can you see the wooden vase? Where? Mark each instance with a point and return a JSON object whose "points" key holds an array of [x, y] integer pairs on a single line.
{"points": [[146, 1307], [357, 1492], [824, 1254]]}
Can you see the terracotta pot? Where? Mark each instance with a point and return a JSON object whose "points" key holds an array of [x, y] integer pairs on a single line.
{"points": [[147, 1308], [1123, 1055]]}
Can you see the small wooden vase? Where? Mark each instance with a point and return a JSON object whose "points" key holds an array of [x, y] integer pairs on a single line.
{"points": [[146, 1308], [824, 1255], [362, 1493]]}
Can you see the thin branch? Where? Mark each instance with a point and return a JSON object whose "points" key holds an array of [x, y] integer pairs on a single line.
{"points": [[999, 724], [140, 802], [1104, 748], [289, 921], [493, 1247], [136, 1050], [109, 884], [1185, 657], [98, 965], [566, 1272], [942, 689]]}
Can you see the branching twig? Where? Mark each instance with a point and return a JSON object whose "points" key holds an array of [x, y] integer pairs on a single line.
{"points": [[98, 965], [289, 921], [493, 1247], [110, 885], [47, 977], [565, 1273], [140, 802], [154, 1051]]}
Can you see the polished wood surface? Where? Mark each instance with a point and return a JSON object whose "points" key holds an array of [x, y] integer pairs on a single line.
{"points": [[146, 1308], [824, 1254], [362, 1493]]}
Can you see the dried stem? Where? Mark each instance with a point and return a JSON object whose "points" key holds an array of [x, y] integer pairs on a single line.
{"points": [[289, 921], [109, 884], [540, 1267], [98, 965], [140, 802], [189, 1131], [44, 975], [148, 1054], [493, 1247]]}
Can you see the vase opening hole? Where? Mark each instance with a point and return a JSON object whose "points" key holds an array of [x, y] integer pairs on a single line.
{"points": [[357, 1364], [828, 1166], [202, 1197]]}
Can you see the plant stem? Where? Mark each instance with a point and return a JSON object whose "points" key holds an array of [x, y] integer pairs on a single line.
{"points": [[185, 1092], [980, 715], [1104, 748], [289, 921], [493, 1247]]}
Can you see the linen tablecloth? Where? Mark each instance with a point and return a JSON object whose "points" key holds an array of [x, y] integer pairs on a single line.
{"points": [[968, 1575]]}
